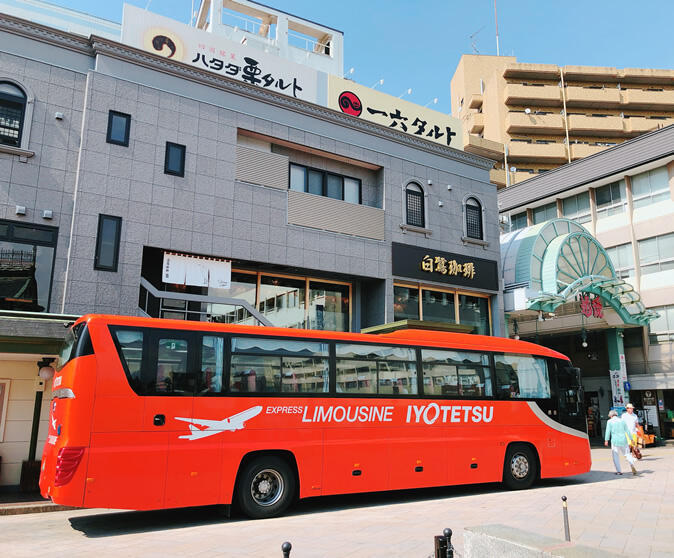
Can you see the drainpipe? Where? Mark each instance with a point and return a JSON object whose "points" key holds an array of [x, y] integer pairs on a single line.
{"points": [[566, 118], [505, 160]]}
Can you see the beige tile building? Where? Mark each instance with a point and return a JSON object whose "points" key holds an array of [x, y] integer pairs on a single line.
{"points": [[548, 115]]}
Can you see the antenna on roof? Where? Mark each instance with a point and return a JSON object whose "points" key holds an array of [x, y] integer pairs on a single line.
{"points": [[473, 40], [496, 20]]}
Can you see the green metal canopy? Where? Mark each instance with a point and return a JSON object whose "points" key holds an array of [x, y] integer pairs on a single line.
{"points": [[555, 260]]}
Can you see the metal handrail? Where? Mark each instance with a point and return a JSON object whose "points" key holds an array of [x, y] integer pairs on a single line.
{"points": [[206, 299]]}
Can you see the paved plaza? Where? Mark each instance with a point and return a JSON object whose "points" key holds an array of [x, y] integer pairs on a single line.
{"points": [[626, 514]]}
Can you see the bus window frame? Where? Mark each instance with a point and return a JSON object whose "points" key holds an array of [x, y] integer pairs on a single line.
{"points": [[547, 364], [195, 357]]}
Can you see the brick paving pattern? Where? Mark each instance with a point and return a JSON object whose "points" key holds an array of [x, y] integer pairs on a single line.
{"points": [[626, 514]]}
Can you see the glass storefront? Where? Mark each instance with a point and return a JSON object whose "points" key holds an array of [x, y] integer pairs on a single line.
{"points": [[283, 300], [26, 265], [448, 306]]}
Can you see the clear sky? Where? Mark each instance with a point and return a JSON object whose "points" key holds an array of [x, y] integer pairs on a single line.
{"points": [[418, 43]]}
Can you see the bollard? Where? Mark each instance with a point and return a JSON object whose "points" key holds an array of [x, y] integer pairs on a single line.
{"points": [[286, 547], [567, 534], [448, 537], [443, 545]]}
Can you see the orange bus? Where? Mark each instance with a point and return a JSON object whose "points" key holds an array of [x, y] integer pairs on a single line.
{"points": [[149, 413]]}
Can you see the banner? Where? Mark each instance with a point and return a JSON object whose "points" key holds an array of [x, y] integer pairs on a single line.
{"points": [[215, 53], [195, 271], [362, 102]]}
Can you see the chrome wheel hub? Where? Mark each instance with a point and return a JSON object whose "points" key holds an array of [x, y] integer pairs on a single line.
{"points": [[267, 487], [519, 466]]}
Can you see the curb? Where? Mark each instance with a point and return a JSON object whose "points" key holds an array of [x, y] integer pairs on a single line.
{"points": [[38, 507]]}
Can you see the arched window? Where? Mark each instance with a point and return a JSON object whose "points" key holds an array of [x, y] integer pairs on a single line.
{"points": [[12, 113], [414, 201], [473, 210]]}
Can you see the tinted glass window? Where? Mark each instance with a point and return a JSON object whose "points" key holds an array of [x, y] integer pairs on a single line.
{"points": [[405, 303], [175, 159], [456, 373], [376, 369], [521, 376], [334, 184], [415, 206], [297, 178], [351, 190], [172, 375], [118, 128], [212, 364], [315, 183], [107, 242], [67, 348], [130, 343], [271, 365]]}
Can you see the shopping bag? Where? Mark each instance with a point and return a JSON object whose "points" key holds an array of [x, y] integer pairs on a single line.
{"points": [[636, 452]]}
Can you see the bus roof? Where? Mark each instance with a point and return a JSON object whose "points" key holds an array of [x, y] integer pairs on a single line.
{"points": [[428, 338]]}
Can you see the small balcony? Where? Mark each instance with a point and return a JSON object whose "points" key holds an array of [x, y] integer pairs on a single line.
{"points": [[498, 177], [475, 101], [648, 100], [539, 95], [475, 122], [602, 126], [539, 152], [635, 125], [522, 123], [592, 97], [320, 212], [580, 150]]}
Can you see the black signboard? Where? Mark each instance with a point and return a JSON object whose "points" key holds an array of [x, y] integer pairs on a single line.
{"points": [[444, 267]]}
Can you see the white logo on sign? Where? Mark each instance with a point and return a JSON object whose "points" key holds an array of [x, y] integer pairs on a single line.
{"points": [[202, 428]]}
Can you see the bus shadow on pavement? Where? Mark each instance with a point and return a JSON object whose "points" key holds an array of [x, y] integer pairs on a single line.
{"points": [[129, 522]]}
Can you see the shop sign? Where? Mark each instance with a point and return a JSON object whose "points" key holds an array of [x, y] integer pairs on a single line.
{"points": [[456, 269], [368, 104], [618, 384], [648, 398], [208, 51], [590, 305], [196, 271]]}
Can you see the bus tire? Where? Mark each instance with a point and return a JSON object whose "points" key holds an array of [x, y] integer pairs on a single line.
{"points": [[520, 468], [266, 487]]}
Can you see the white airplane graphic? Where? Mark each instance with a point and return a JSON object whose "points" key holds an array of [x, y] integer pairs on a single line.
{"points": [[201, 428]]}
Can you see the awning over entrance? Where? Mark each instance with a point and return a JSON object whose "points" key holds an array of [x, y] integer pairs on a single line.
{"points": [[548, 264]]}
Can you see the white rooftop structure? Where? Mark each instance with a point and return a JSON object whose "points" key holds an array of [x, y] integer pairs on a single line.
{"points": [[276, 32]]}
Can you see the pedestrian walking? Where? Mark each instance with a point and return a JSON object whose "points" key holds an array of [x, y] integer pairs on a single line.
{"points": [[631, 420], [617, 433]]}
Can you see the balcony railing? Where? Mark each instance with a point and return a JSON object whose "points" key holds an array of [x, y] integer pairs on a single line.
{"points": [[542, 152], [533, 123], [539, 95]]}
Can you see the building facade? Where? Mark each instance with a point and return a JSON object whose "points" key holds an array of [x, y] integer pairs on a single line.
{"points": [[607, 299], [133, 184], [548, 115]]}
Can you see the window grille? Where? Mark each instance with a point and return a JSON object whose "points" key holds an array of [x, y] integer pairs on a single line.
{"points": [[415, 206]]}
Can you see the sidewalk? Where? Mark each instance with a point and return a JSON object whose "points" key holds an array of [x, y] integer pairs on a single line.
{"points": [[15, 502]]}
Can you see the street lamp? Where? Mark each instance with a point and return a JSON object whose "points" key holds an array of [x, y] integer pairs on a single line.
{"points": [[349, 73], [406, 92], [434, 101], [378, 82]]}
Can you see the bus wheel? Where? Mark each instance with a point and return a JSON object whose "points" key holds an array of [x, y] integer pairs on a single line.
{"points": [[266, 487], [520, 468]]}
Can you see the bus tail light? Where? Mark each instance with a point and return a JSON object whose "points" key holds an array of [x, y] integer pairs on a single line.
{"points": [[66, 464]]}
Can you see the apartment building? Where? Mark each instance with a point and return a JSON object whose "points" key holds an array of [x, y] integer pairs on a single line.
{"points": [[117, 157], [548, 115], [588, 259]]}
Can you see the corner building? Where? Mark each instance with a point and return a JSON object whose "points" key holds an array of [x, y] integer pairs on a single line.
{"points": [[119, 161]]}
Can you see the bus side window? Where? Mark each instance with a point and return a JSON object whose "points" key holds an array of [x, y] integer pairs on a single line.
{"points": [[130, 349], [271, 365], [212, 365], [521, 376], [171, 372], [456, 373], [376, 369]]}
